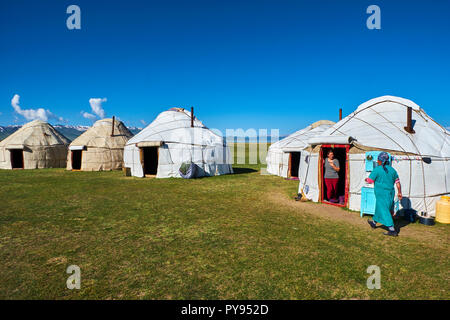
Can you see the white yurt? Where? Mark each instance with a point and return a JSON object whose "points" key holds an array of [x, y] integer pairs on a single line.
{"points": [[35, 145], [283, 156], [176, 138], [100, 148], [418, 145]]}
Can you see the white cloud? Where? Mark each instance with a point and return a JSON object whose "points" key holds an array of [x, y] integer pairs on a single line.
{"points": [[88, 115], [54, 116], [96, 106], [33, 114], [143, 122]]}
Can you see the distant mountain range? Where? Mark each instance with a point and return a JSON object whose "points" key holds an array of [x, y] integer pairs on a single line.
{"points": [[6, 131], [259, 139], [70, 132]]}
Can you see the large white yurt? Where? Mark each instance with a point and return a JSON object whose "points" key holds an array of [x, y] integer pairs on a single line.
{"points": [[173, 139], [35, 145], [100, 148], [418, 145], [283, 156]]}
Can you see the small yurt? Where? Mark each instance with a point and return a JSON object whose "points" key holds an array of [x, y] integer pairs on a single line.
{"points": [[35, 145], [283, 156], [100, 147], [419, 148], [174, 141]]}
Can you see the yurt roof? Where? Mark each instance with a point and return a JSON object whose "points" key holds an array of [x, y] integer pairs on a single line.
{"points": [[299, 139], [379, 123], [174, 126], [99, 135], [35, 133]]}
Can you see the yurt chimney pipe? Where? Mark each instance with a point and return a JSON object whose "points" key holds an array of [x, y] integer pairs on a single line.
{"points": [[112, 131], [340, 114], [409, 127], [192, 117]]}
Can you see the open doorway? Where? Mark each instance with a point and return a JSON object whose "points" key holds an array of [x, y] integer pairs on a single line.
{"points": [[16, 159], [294, 162], [149, 159], [341, 154], [76, 159]]}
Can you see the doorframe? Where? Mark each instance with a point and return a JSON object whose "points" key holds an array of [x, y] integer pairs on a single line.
{"points": [[347, 173], [289, 173], [289, 165], [142, 160]]}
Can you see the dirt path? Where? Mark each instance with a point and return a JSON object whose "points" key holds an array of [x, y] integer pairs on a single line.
{"points": [[424, 235]]}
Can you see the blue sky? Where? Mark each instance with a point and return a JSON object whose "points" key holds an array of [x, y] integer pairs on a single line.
{"points": [[241, 64]]}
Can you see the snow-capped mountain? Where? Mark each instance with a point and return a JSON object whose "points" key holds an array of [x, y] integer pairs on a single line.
{"points": [[6, 131], [65, 126], [69, 131]]}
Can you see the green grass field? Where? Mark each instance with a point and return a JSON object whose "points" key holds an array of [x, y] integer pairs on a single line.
{"points": [[237, 236]]}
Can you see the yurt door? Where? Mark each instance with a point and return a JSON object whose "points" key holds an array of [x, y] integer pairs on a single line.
{"points": [[368, 200], [17, 159], [149, 160], [334, 190], [76, 159]]}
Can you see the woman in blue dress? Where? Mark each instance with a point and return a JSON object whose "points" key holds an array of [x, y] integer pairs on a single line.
{"points": [[384, 177]]}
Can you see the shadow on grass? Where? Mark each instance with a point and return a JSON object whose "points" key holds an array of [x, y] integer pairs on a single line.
{"points": [[400, 221], [243, 170], [398, 225]]}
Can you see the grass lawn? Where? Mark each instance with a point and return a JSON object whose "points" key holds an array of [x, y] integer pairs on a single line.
{"points": [[227, 237]]}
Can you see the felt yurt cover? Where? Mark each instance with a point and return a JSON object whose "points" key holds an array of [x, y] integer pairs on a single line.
{"points": [[101, 147], [422, 158], [39, 145], [177, 143], [278, 154]]}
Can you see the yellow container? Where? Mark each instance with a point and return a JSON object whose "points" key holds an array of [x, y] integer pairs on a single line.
{"points": [[443, 210]]}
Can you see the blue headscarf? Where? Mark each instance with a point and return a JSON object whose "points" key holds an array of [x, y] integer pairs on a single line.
{"points": [[383, 157]]}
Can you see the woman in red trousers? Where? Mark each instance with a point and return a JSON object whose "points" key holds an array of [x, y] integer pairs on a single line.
{"points": [[331, 175]]}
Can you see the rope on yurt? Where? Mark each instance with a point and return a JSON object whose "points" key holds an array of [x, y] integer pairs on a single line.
{"points": [[353, 114], [410, 162]]}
